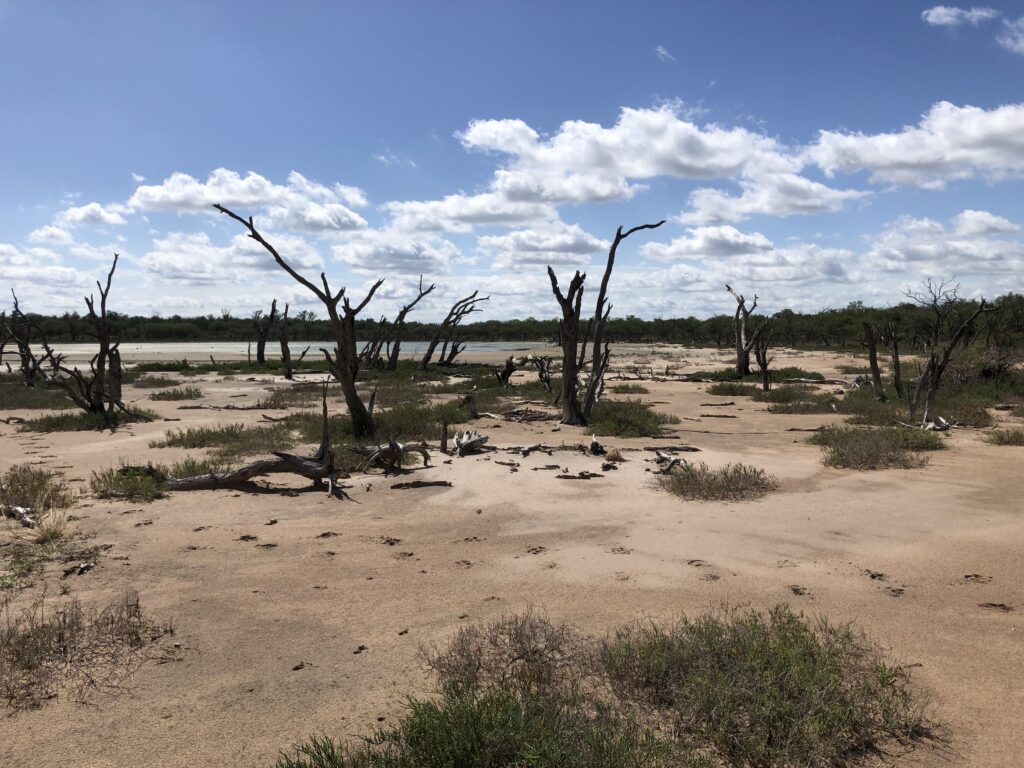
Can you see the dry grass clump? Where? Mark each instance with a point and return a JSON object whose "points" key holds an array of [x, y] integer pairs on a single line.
{"points": [[854, 370], [80, 649], [15, 395], [231, 441], [150, 382], [882, 448], [732, 389], [1005, 437], [739, 689], [733, 482], [42, 494], [145, 483], [187, 392], [81, 421]]}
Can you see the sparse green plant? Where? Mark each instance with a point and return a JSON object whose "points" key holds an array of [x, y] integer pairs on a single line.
{"points": [[128, 482], [628, 418], [188, 392], [849, 447], [39, 491], [732, 389], [14, 395], [150, 382], [83, 421], [1005, 437], [853, 370], [230, 441], [733, 482]]}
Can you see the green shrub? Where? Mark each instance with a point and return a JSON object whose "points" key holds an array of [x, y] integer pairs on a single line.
{"points": [[150, 382], [128, 482], [15, 395], [765, 689], [856, 448], [1005, 437], [733, 482], [628, 418], [38, 490], [81, 421], [188, 392], [232, 440], [777, 374], [853, 370], [786, 394], [732, 389]]}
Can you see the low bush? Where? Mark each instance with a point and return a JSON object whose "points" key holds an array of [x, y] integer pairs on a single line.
{"points": [[188, 392], [630, 389], [858, 448], [128, 482], [230, 441], [764, 690], [150, 382], [628, 418], [732, 389], [81, 421], [76, 647], [1005, 437], [42, 494], [14, 395], [733, 482]]}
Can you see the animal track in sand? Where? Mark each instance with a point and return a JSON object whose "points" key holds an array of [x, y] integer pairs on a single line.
{"points": [[896, 591], [975, 578], [621, 550], [247, 537], [536, 550], [875, 575], [796, 589], [997, 607]]}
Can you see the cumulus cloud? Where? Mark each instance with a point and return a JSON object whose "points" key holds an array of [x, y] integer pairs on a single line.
{"points": [[949, 142], [192, 258], [709, 242], [301, 204], [394, 252], [971, 222], [51, 235], [949, 16], [557, 243], [36, 267], [92, 213], [460, 213]]}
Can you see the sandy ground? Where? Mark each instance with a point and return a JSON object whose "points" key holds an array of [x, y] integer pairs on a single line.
{"points": [[595, 553]]}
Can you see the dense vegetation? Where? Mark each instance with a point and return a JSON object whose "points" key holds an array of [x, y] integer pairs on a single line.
{"points": [[830, 328]]}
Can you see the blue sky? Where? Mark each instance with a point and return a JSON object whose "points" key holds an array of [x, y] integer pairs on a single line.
{"points": [[813, 153]]}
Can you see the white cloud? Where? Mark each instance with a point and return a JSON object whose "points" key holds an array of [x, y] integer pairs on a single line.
{"points": [[301, 204], [36, 269], [50, 235], [776, 194], [557, 243], [383, 252], [192, 258], [389, 159], [948, 16], [1012, 36], [91, 213], [662, 53], [137, 178], [460, 213], [950, 142], [971, 222], [709, 242]]}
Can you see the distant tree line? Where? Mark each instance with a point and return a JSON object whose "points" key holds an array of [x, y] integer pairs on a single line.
{"points": [[840, 329]]}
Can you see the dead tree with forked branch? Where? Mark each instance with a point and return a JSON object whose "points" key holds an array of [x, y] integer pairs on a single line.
{"points": [[18, 329], [948, 326], [460, 309], [744, 344], [762, 343], [344, 363], [263, 324], [578, 398], [398, 327]]}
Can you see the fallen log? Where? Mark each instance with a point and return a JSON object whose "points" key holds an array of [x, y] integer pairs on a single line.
{"points": [[422, 484]]}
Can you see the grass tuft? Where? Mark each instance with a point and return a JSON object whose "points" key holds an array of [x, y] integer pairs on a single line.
{"points": [[630, 389], [15, 395], [733, 482], [188, 392], [128, 482], [856, 448], [81, 421], [1005, 437], [628, 418]]}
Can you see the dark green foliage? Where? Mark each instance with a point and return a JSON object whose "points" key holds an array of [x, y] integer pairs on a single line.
{"points": [[733, 482], [764, 690], [732, 389], [15, 395], [133, 377], [231, 441], [130, 483], [628, 418], [777, 374], [881, 448], [81, 421]]}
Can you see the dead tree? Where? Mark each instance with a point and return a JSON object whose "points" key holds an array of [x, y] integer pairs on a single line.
{"points": [[578, 399], [263, 323], [370, 354], [449, 353], [762, 343], [18, 329], [543, 365], [871, 339], [945, 331], [743, 343], [344, 364], [398, 327], [286, 352], [460, 309], [891, 340], [505, 373]]}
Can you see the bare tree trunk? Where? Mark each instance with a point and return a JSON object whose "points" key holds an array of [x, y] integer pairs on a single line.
{"points": [[399, 326], [892, 341], [743, 344], [455, 315], [871, 341], [762, 343], [570, 303], [344, 364], [263, 325], [286, 353]]}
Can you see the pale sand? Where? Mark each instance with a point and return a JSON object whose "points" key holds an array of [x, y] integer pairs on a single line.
{"points": [[250, 615]]}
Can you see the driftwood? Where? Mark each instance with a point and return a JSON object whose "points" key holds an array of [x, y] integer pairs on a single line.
{"points": [[390, 456], [22, 514], [469, 442], [316, 467], [422, 484]]}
